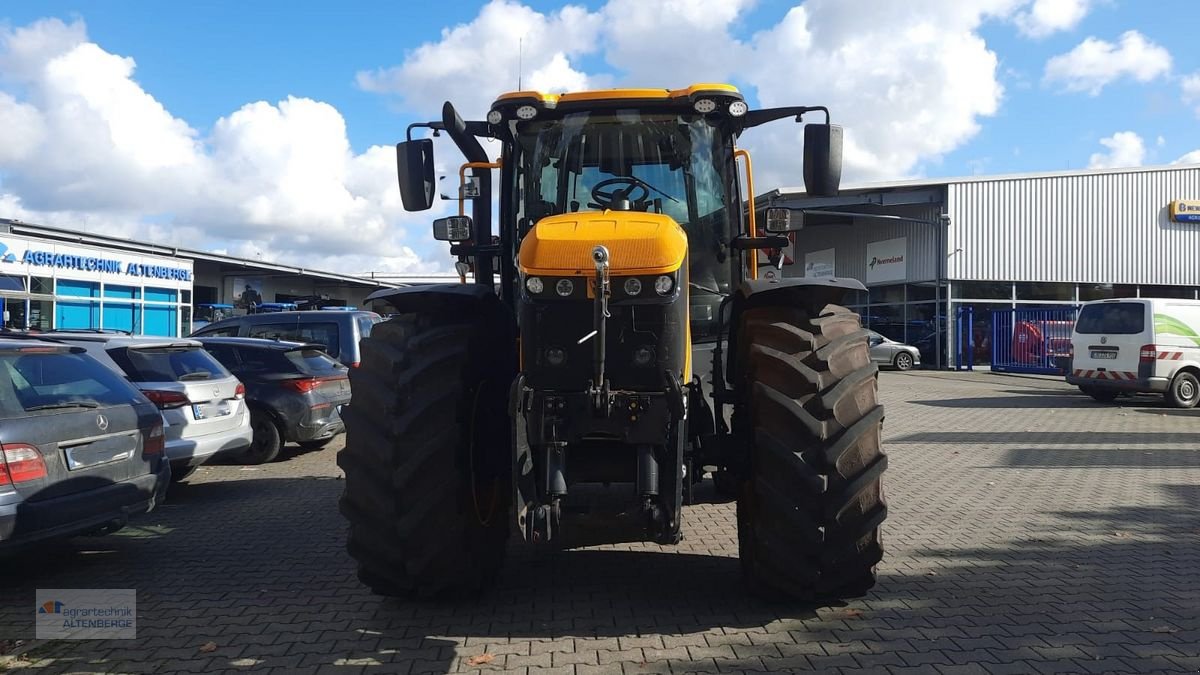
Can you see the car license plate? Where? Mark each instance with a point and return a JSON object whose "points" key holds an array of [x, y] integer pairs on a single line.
{"points": [[1104, 355], [100, 452], [203, 411]]}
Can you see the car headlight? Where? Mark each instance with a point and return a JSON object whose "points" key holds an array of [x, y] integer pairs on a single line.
{"points": [[664, 285]]}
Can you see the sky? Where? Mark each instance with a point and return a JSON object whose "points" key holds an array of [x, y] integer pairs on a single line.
{"points": [[266, 129]]}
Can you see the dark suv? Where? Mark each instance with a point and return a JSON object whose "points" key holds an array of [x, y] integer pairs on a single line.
{"points": [[81, 449], [295, 392]]}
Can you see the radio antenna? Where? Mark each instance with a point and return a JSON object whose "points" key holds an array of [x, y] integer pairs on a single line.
{"points": [[520, 59]]}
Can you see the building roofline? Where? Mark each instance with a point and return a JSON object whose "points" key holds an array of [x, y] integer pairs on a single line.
{"points": [[20, 227], [935, 182]]}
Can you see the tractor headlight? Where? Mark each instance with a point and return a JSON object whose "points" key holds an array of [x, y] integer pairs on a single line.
{"points": [[495, 117], [564, 287], [664, 285], [633, 286], [705, 105], [534, 285], [526, 112], [737, 108], [556, 356]]}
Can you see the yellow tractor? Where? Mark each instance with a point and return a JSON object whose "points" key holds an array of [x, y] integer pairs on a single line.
{"points": [[628, 330]]}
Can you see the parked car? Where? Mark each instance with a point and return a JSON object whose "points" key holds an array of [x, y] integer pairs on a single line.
{"points": [[888, 352], [339, 332], [295, 392], [81, 449], [1149, 345], [202, 404]]}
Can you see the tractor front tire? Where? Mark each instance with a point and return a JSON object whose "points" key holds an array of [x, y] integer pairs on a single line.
{"points": [[427, 517], [809, 510]]}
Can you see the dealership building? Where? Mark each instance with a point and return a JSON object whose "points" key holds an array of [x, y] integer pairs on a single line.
{"points": [[933, 252], [54, 278]]}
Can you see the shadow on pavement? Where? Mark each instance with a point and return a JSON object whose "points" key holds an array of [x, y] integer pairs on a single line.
{"points": [[1090, 439]]}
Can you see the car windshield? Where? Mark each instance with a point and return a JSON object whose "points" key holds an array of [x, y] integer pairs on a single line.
{"points": [[662, 163], [1112, 318], [57, 381]]}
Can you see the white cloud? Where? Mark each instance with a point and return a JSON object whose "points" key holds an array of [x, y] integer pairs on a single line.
{"points": [[82, 145], [1190, 89], [477, 60], [1045, 17], [909, 85], [1125, 149], [1094, 63], [1192, 157]]}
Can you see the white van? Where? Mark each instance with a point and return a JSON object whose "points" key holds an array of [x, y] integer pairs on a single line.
{"points": [[1138, 345]]}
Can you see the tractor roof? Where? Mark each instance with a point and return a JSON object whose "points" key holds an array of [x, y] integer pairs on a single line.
{"points": [[585, 99]]}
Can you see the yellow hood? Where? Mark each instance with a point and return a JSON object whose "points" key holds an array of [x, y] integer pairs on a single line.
{"points": [[638, 243]]}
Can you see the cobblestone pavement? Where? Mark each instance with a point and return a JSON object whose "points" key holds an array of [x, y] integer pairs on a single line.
{"points": [[1031, 531]]}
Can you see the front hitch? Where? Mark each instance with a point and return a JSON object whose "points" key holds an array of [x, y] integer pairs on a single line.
{"points": [[601, 401]]}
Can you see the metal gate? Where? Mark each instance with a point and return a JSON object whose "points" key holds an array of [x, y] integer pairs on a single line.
{"points": [[1032, 340]]}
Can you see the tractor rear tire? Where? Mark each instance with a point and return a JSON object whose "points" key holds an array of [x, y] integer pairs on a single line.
{"points": [[428, 518], [810, 508]]}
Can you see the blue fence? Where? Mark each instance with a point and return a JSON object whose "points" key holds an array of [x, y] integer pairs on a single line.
{"points": [[1032, 340]]}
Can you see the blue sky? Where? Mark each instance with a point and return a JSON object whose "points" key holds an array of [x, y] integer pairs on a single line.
{"points": [[932, 108]]}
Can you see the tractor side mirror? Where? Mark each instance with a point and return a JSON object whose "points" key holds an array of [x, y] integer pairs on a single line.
{"points": [[822, 159], [414, 167], [781, 220], [453, 228]]}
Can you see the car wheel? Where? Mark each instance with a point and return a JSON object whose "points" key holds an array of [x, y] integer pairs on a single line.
{"points": [[180, 473], [903, 361], [1184, 391], [267, 441]]}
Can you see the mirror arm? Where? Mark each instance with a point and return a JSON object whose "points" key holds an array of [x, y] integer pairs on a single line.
{"points": [[757, 117], [437, 127]]}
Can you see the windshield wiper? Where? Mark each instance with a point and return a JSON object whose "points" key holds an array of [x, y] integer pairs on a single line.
{"points": [[64, 405], [197, 375]]}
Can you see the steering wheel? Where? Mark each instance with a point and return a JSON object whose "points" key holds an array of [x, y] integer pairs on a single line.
{"points": [[605, 198]]}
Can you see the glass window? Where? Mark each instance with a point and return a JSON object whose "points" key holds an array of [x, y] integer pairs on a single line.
{"points": [[886, 294], [12, 282], [365, 324], [223, 331], [122, 316], [317, 333], [42, 285], [41, 315], [1045, 291], [185, 296], [46, 381], [1106, 291], [160, 295], [167, 364], [1112, 318], [160, 320], [123, 292], [78, 289], [1183, 292], [982, 290], [919, 292], [887, 320], [78, 315], [226, 354]]}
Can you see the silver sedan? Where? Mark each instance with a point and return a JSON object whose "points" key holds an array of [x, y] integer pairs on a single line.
{"points": [[886, 352]]}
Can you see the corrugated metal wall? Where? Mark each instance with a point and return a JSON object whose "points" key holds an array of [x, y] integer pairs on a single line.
{"points": [[1095, 228], [850, 243]]}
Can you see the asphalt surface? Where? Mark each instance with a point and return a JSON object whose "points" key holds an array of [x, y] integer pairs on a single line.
{"points": [[1031, 531]]}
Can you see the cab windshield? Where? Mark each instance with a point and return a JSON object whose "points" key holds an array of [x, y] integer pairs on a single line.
{"points": [[673, 164]]}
